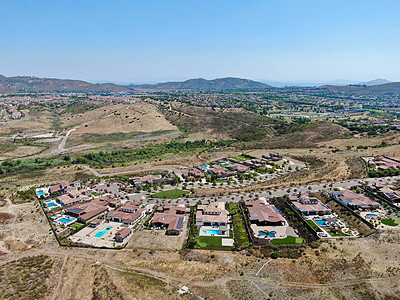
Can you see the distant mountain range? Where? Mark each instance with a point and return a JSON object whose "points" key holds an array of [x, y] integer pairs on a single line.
{"points": [[375, 82], [34, 84], [221, 84], [312, 83]]}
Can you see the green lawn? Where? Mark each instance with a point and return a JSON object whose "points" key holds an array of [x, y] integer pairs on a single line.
{"points": [[313, 225], [211, 241], [389, 222], [288, 240], [331, 232], [241, 158], [171, 194], [77, 225]]}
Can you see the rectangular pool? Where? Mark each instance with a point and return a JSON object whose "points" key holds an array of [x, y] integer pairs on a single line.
{"points": [[66, 220], [40, 193], [50, 204], [213, 231], [103, 232], [321, 222]]}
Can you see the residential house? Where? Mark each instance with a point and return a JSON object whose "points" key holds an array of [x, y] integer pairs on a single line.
{"points": [[127, 213], [73, 197], [220, 171], [137, 181], [354, 200], [387, 192], [213, 214], [169, 217], [263, 213], [87, 211], [273, 156], [309, 205], [255, 163], [122, 234], [193, 174], [238, 168]]}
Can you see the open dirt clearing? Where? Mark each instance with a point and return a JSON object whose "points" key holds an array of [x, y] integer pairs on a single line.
{"points": [[138, 117], [32, 121]]}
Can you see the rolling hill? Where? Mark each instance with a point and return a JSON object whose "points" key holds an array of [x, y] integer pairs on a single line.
{"points": [[380, 89], [35, 84]]}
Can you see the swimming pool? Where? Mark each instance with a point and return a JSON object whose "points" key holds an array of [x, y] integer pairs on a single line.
{"points": [[66, 220], [321, 222], [40, 193], [211, 231], [204, 166], [371, 215], [270, 234], [50, 204], [103, 232]]}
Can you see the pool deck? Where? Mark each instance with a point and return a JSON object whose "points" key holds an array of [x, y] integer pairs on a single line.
{"points": [[66, 217], [281, 231], [204, 228]]}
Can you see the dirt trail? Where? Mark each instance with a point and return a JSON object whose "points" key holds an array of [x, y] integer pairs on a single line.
{"points": [[179, 281], [60, 277]]}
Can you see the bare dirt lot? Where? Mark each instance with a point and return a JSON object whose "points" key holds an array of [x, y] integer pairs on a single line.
{"points": [[156, 239]]}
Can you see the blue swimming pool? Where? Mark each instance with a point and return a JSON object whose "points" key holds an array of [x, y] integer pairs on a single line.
{"points": [[212, 231], [204, 166], [66, 220], [103, 232], [40, 193], [371, 215], [321, 222], [50, 204], [270, 234]]}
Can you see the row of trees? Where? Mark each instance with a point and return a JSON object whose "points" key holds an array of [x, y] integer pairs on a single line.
{"points": [[103, 159]]}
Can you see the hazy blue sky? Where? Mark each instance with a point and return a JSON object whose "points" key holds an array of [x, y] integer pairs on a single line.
{"points": [[138, 41]]}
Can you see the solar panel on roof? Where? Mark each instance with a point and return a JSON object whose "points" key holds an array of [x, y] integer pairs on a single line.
{"points": [[276, 210], [75, 210], [180, 223]]}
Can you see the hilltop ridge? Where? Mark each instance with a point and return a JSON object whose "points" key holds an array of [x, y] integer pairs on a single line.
{"points": [[220, 84]]}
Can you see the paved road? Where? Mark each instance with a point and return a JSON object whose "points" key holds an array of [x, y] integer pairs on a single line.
{"points": [[61, 147], [266, 193]]}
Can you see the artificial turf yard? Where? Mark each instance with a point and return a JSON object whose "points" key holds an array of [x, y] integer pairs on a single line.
{"points": [[241, 158], [288, 240], [389, 222], [171, 194], [313, 225], [211, 241]]}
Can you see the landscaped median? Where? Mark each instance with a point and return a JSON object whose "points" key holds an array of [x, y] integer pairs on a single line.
{"points": [[240, 234], [171, 194]]}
